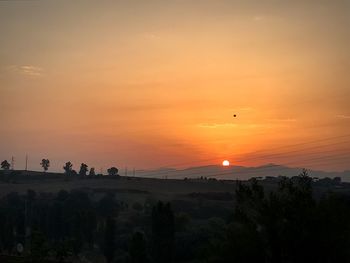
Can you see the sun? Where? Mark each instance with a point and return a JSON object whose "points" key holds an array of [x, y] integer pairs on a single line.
{"points": [[225, 163]]}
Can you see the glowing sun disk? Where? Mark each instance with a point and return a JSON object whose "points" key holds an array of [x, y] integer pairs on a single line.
{"points": [[225, 163]]}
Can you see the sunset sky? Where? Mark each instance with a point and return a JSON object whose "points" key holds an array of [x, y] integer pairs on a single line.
{"points": [[148, 84]]}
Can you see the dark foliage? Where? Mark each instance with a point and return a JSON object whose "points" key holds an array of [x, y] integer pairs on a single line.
{"points": [[5, 165], [286, 224], [45, 163], [109, 240], [83, 169], [92, 172], [138, 249], [113, 171], [68, 167], [163, 230]]}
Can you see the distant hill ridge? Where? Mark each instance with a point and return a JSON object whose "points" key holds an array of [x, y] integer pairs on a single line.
{"points": [[216, 171], [237, 172]]}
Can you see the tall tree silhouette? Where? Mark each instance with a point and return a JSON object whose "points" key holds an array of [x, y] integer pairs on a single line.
{"points": [[45, 163], [68, 167], [163, 232], [83, 169], [138, 249], [5, 165], [109, 239], [107, 206], [39, 247], [92, 172]]}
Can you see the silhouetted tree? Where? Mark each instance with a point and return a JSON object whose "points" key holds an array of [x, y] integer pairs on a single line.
{"points": [[107, 206], [163, 232], [109, 239], [45, 163], [5, 165], [286, 225], [79, 209], [68, 167], [83, 169], [138, 249], [62, 195], [137, 206], [39, 247], [31, 195], [112, 171], [92, 172], [181, 221], [62, 250]]}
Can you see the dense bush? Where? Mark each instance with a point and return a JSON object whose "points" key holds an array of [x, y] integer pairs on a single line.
{"points": [[287, 224]]}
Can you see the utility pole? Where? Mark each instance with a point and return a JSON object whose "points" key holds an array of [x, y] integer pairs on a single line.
{"points": [[133, 172], [26, 162], [12, 163], [126, 171]]}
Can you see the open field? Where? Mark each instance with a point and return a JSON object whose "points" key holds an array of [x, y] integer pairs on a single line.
{"points": [[131, 188], [53, 182]]}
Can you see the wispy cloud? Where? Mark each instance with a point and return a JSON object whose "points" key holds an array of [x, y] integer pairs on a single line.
{"points": [[342, 116], [150, 35], [270, 124], [282, 120], [258, 18], [242, 109], [233, 125], [216, 125], [27, 70]]}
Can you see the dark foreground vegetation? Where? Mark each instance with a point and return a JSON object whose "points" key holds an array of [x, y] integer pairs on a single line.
{"points": [[288, 223]]}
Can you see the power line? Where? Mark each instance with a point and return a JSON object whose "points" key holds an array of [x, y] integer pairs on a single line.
{"points": [[344, 154], [279, 155], [13, 163], [271, 149], [271, 169], [259, 170]]}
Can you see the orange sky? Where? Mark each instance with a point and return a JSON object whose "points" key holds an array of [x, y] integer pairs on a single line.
{"points": [[149, 84]]}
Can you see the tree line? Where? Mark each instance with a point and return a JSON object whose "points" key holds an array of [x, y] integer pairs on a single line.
{"points": [[287, 224], [59, 227], [68, 168]]}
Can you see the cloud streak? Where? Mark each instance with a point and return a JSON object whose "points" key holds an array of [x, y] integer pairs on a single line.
{"points": [[258, 18], [242, 109], [342, 116], [282, 120], [233, 125], [270, 124], [216, 125], [27, 70]]}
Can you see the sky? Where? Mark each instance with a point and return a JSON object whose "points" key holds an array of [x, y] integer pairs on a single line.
{"points": [[149, 84]]}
